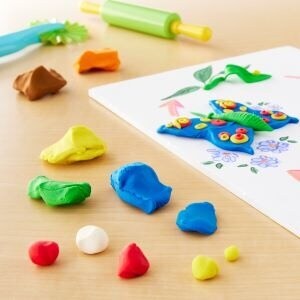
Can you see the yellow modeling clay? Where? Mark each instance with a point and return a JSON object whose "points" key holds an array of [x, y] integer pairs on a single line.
{"points": [[204, 267], [231, 253], [105, 59], [79, 143]]}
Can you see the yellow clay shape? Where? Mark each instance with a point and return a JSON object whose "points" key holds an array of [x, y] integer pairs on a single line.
{"points": [[79, 143], [231, 253], [204, 267]]}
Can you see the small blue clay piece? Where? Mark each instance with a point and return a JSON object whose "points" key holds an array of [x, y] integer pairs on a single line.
{"points": [[138, 185], [198, 217]]}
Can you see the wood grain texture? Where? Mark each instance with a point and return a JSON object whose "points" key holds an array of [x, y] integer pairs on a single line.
{"points": [[269, 267]]}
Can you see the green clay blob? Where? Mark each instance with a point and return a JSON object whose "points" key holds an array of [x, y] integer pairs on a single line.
{"points": [[71, 33], [55, 193], [241, 72], [245, 119], [34, 187]]}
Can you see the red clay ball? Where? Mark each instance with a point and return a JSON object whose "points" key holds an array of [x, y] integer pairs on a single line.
{"points": [[43, 253], [133, 262]]}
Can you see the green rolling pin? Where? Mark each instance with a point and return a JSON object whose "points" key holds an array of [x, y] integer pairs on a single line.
{"points": [[147, 20]]}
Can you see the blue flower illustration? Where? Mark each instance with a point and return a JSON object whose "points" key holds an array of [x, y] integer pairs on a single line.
{"points": [[274, 107], [272, 146], [265, 161], [225, 156]]}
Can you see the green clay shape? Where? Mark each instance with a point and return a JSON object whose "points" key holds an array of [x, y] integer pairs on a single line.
{"points": [[34, 187], [241, 72], [243, 118], [71, 33], [55, 193]]}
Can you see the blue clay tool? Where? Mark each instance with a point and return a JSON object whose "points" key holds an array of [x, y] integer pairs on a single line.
{"points": [[226, 135], [45, 33], [138, 185], [13, 42], [275, 119], [198, 217]]}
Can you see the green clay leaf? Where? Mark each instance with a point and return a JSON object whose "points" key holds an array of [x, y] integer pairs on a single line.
{"points": [[213, 83], [292, 141], [204, 74], [244, 74], [283, 138], [245, 119], [184, 91], [242, 166], [241, 72], [219, 165], [71, 33], [254, 170], [208, 162]]}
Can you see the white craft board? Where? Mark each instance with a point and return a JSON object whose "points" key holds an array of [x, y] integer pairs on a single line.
{"points": [[268, 187]]}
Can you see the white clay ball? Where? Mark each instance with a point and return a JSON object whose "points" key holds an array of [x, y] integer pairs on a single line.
{"points": [[91, 239]]}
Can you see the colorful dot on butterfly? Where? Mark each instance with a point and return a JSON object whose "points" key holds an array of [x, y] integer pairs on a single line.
{"points": [[265, 112], [239, 138], [226, 110], [224, 136], [279, 116], [181, 123], [205, 120], [184, 122], [227, 104], [200, 126], [243, 108], [241, 130], [267, 120], [218, 122]]}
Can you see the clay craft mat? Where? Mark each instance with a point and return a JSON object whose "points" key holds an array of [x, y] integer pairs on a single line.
{"points": [[269, 180]]}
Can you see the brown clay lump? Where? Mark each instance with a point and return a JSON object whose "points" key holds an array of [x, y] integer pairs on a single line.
{"points": [[39, 82]]}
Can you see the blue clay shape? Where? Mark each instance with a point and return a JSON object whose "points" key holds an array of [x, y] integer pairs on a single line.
{"points": [[198, 217], [275, 123], [210, 130], [138, 185]]}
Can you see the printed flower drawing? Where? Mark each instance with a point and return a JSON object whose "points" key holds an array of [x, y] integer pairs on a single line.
{"points": [[264, 161], [225, 156], [272, 146]]}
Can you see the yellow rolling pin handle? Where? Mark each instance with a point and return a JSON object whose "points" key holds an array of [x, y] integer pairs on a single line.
{"points": [[201, 33], [89, 7]]}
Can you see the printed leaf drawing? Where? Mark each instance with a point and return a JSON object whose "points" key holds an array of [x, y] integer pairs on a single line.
{"points": [[184, 91], [204, 74]]}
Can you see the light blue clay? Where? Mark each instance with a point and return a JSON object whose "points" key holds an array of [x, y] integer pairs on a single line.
{"points": [[138, 185], [198, 217]]}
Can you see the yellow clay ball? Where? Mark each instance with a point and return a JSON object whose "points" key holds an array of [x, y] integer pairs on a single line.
{"points": [[204, 267], [231, 253]]}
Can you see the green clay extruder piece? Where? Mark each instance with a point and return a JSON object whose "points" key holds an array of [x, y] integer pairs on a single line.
{"points": [[241, 72], [243, 118], [55, 193]]}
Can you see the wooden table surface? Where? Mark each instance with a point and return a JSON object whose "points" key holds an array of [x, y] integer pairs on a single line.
{"points": [[269, 267]]}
